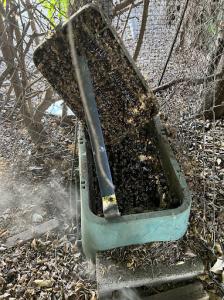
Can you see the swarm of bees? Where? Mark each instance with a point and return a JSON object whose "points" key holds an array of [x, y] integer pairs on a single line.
{"points": [[139, 180], [124, 101], [125, 104]]}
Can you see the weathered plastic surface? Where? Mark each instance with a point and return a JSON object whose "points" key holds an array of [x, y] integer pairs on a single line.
{"points": [[100, 234]]}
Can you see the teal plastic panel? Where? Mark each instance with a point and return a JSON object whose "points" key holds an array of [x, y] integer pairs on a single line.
{"points": [[167, 225]]}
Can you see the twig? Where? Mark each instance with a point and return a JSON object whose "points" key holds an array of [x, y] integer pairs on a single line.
{"points": [[202, 113], [126, 8], [189, 80], [5, 73], [47, 19], [126, 22], [142, 29], [24, 33], [219, 285], [44, 105], [21, 98], [174, 40], [122, 5]]}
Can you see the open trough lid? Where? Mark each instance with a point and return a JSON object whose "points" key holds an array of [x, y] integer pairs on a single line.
{"points": [[123, 99]]}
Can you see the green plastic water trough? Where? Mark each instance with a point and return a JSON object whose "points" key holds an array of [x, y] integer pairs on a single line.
{"points": [[100, 234]]}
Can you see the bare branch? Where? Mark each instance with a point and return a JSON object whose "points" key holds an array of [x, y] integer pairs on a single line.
{"points": [[142, 29], [5, 73], [189, 80], [126, 22], [174, 40], [122, 5], [29, 6], [122, 11], [44, 105], [8, 51]]}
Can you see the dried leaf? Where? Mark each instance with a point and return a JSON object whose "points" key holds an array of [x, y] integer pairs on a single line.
{"points": [[5, 296], [130, 264], [79, 286], [218, 249], [203, 277], [222, 276], [43, 283], [72, 148], [93, 296], [218, 266], [2, 283], [34, 244], [213, 296], [189, 253], [180, 263], [3, 232], [219, 161]]}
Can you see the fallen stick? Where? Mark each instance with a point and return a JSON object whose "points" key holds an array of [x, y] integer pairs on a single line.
{"points": [[33, 232]]}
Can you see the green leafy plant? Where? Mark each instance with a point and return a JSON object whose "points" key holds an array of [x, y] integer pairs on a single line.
{"points": [[56, 9]]}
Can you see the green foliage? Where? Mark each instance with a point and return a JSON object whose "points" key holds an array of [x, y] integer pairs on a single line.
{"points": [[56, 9], [212, 28]]}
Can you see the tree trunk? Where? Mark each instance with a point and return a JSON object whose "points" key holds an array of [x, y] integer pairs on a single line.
{"points": [[213, 105], [218, 51], [32, 22], [44, 105], [142, 29], [9, 54]]}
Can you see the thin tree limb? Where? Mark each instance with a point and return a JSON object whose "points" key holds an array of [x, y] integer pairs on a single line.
{"points": [[142, 29], [29, 6], [122, 11], [194, 81], [122, 5], [126, 22], [5, 73], [8, 51], [174, 41], [44, 105]]}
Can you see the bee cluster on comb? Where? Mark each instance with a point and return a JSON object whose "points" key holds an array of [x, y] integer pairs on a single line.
{"points": [[125, 103], [123, 99], [139, 180]]}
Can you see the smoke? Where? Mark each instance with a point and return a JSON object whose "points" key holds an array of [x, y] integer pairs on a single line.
{"points": [[128, 294], [21, 202], [124, 294], [17, 193]]}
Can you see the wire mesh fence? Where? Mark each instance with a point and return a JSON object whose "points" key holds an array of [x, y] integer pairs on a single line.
{"points": [[182, 43]]}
